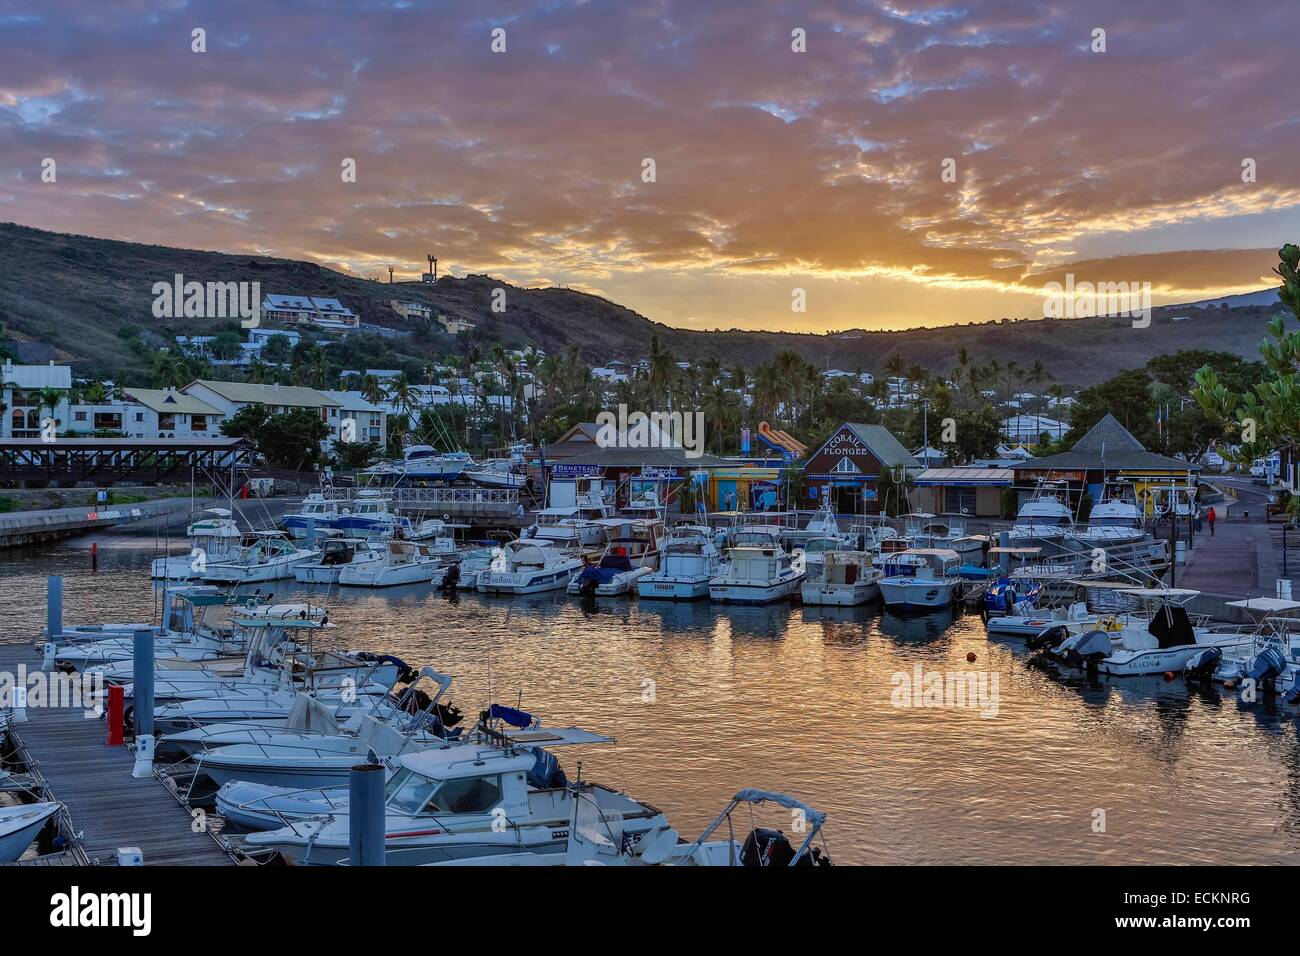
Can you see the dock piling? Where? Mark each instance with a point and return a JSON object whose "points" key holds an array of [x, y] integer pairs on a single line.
{"points": [[366, 819], [142, 694], [53, 619]]}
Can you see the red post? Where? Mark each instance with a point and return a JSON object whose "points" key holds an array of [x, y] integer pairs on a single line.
{"points": [[116, 712]]}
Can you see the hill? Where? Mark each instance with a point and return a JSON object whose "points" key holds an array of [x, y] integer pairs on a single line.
{"points": [[81, 300]]}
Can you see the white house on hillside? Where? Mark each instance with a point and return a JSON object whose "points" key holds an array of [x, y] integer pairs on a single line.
{"points": [[21, 393]]}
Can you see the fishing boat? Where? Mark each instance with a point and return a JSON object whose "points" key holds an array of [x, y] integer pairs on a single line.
{"points": [[757, 575], [336, 553], [925, 584], [690, 560], [317, 514], [264, 556], [214, 536], [528, 566], [20, 825], [392, 563], [632, 553], [844, 578]]}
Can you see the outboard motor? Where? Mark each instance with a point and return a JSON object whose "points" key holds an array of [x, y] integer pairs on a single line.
{"points": [[1264, 667], [451, 580], [1048, 637], [1202, 665], [768, 847], [1085, 650]]}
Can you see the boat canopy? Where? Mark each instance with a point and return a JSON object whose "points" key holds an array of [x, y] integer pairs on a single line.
{"points": [[1270, 605]]}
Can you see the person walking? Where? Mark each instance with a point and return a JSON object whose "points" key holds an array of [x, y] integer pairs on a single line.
{"points": [[1211, 517]]}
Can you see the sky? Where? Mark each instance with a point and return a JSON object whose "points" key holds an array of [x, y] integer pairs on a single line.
{"points": [[884, 165]]}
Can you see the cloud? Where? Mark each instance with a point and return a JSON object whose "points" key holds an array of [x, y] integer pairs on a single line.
{"points": [[773, 167]]}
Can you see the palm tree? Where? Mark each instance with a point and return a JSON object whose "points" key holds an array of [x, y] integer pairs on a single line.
{"points": [[49, 397], [371, 390]]}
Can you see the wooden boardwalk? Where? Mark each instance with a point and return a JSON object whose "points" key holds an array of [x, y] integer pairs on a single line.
{"points": [[107, 806]]}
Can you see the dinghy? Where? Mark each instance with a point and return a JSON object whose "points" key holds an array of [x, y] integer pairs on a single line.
{"points": [[19, 826]]}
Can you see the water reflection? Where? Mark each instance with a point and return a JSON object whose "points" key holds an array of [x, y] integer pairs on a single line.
{"points": [[798, 699]]}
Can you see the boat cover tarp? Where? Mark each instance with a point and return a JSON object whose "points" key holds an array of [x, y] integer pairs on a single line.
{"points": [[308, 713], [1171, 627], [510, 715]]}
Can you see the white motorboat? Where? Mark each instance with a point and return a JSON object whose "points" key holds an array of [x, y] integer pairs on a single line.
{"points": [[932, 531], [394, 562], [925, 585], [633, 552], [596, 838], [845, 578], [690, 560], [1116, 519], [445, 804], [264, 556], [317, 514], [528, 566], [19, 826], [1159, 639], [214, 536], [423, 463], [1046, 516], [336, 553], [292, 759], [758, 575], [197, 627], [497, 473], [464, 567]]}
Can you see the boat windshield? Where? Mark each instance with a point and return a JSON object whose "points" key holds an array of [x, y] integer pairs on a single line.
{"points": [[408, 791]]}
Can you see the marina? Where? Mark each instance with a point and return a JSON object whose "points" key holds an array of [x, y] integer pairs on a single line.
{"points": [[676, 684]]}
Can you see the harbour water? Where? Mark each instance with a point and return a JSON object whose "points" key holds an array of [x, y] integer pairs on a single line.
{"points": [[705, 700]]}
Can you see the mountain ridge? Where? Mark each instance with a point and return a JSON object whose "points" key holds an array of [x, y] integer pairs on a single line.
{"points": [[80, 299]]}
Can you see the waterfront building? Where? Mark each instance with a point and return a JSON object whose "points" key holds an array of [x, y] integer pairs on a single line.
{"points": [[848, 465]]}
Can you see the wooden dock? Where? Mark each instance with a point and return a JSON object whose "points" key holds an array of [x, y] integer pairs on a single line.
{"points": [[105, 805]]}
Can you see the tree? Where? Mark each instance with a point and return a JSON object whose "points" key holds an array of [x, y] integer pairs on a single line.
{"points": [[225, 345], [289, 440], [277, 349]]}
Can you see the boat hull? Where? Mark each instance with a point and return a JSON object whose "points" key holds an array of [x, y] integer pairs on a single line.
{"points": [[739, 592], [916, 595], [513, 582], [840, 595], [673, 589]]}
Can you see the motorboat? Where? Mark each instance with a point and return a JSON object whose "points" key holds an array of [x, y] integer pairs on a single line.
{"points": [[596, 837], [528, 566], [757, 575], [20, 825], [1270, 663], [647, 504], [1160, 638], [925, 584], [264, 556], [1115, 519], [290, 757], [633, 552], [422, 463], [317, 514], [196, 627], [1046, 516], [497, 473], [214, 536], [464, 566], [448, 803], [391, 563], [690, 560], [366, 515], [844, 578], [932, 531], [336, 553]]}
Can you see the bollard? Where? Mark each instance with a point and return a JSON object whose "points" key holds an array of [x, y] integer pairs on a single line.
{"points": [[366, 821], [116, 715], [53, 619], [94, 556], [142, 694]]}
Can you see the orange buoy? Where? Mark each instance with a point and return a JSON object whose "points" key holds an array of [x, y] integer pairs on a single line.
{"points": [[1230, 684], [1169, 675], [970, 658]]}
